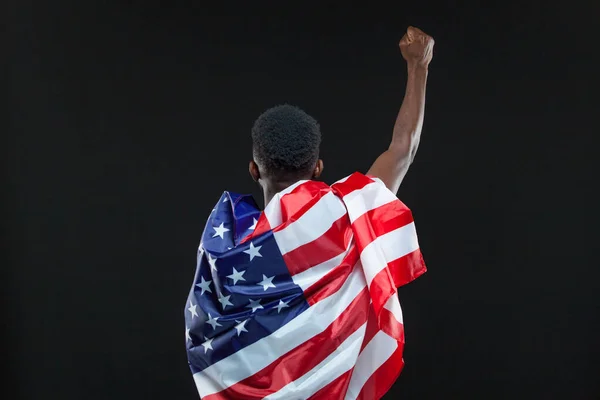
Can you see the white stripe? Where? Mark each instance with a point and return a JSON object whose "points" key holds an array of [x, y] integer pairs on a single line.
{"points": [[342, 180], [312, 275], [387, 248], [253, 358], [366, 199], [273, 209], [378, 180], [311, 225], [379, 349], [393, 306], [337, 363]]}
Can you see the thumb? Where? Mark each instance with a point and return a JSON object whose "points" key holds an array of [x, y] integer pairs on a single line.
{"points": [[405, 41]]}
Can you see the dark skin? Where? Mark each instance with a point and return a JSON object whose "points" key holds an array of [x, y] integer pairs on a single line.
{"points": [[393, 164]]}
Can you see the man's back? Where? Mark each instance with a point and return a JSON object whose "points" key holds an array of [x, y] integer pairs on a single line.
{"points": [[299, 300]]}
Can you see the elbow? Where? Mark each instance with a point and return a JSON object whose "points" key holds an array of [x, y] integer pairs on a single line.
{"points": [[403, 148]]}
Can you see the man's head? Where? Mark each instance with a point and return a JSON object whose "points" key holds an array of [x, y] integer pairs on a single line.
{"points": [[285, 146]]}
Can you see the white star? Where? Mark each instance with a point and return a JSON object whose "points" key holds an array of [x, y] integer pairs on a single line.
{"points": [[241, 327], [224, 300], [213, 322], [201, 248], [266, 282], [192, 309], [253, 251], [237, 276], [187, 334], [282, 304], [254, 305], [220, 230], [253, 226], [204, 285], [207, 345], [212, 262], [226, 199]]}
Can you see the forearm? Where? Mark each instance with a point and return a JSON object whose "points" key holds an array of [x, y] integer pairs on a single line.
{"points": [[409, 122]]}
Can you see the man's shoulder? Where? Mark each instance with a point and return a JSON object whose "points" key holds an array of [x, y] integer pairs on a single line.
{"points": [[355, 182]]}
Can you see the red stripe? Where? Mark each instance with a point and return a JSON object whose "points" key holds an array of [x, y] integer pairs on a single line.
{"points": [[335, 389], [332, 243], [383, 285], [262, 226], [380, 382], [301, 359], [356, 181], [302, 198], [381, 288], [372, 328], [332, 281], [389, 370], [390, 325], [407, 268], [379, 221], [386, 376]]}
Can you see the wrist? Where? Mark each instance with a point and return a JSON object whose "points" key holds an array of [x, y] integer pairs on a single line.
{"points": [[418, 68]]}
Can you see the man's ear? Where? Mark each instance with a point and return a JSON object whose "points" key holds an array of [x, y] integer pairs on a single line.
{"points": [[318, 169], [254, 172]]}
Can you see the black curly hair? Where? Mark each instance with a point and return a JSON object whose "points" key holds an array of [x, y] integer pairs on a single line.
{"points": [[285, 141]]}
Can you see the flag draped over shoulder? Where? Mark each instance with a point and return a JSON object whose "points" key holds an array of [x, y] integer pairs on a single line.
{"points": [[299, 301]]}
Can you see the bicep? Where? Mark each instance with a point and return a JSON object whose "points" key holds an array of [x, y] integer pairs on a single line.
{"points": [[391, 167]]}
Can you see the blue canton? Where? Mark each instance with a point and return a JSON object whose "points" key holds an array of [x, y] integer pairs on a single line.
{"points": [[241, 292]]}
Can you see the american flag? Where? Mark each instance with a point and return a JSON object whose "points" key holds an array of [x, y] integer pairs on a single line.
{"points": [[299, 301]]}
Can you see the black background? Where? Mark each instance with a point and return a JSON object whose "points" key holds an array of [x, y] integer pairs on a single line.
{"points": [[128, 120]]}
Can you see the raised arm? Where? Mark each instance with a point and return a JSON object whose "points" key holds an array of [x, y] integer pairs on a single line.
{"points": [[391, 166]]}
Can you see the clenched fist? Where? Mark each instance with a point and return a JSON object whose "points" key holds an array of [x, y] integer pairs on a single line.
{"points": [[417, 47]]}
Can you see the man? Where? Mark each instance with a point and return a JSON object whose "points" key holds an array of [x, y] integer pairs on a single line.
{"points": [[299, 301]]}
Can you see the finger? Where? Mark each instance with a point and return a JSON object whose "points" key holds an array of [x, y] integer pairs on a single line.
{"points": [[415, 31], [417, 34], [404, 41]]}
